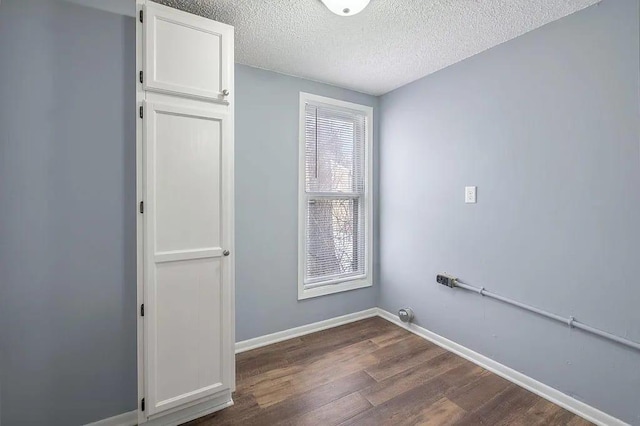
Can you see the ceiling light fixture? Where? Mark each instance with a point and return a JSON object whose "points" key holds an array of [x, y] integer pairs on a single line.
{"points": [[346, 7]]}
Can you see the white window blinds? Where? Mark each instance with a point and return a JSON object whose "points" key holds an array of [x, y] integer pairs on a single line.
{"points": [[335, 183]]}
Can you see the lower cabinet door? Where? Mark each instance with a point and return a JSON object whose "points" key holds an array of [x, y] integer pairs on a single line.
{"points": [[187, 294]]}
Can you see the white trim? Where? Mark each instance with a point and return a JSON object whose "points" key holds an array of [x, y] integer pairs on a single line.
{"points": [[228, 215], [124, 419], [305, 292], [336, 286], [547, 392], [269, 339], [191, 411], [176, 417], [140, 99]]}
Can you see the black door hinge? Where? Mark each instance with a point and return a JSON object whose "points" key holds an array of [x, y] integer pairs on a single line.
{"points": [[140, 76], [142, 404], [142, 310], [141, 206], [141, 15], [141, 115]]}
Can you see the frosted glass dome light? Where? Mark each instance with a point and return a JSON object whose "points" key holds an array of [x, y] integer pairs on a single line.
{"points": [[346, 7]]}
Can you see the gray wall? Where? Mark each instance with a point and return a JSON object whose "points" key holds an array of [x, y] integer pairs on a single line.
{"points": [[547, 126], [266, 155], [67, 214]]}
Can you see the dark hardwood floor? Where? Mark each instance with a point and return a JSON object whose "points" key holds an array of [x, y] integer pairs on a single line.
{"points": [[372, 372]]}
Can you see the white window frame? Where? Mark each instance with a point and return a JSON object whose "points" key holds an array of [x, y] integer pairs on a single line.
{"points": [[341, 284]]}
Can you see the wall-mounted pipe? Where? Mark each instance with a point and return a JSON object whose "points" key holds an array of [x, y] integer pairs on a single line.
{"points": [[571, 321]]}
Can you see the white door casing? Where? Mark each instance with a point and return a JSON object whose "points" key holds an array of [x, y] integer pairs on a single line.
{"points": [[186, 287], [186, 54]]}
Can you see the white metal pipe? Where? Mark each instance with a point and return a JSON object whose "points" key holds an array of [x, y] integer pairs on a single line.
{"points": [[607, 335], [571, 322]]}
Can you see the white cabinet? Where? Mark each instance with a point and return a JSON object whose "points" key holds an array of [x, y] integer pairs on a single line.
{"points": [[185, 54], [185, 180]]}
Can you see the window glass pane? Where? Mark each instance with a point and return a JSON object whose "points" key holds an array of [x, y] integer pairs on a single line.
{"points": [[335, 239], [334, 150]]}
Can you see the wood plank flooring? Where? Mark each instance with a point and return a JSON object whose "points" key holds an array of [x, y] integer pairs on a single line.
{"points": [[372, 372]]}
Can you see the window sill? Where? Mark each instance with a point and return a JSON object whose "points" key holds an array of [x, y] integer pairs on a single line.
{"points": [[308, 293]]}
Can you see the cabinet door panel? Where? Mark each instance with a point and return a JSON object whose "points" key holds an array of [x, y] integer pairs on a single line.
{"points": [[188, 343], [189, 153], [186, 54]]}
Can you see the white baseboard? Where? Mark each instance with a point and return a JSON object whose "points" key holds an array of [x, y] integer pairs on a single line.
{"points": [[247, 345], [547, 392], [193, 411], [124, 419]]}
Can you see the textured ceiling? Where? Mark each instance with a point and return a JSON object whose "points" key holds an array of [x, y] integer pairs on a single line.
{"points": [[389, 44]]}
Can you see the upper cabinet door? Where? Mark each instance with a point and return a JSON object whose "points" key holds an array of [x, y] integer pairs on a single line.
{"points": [[186, 54]]}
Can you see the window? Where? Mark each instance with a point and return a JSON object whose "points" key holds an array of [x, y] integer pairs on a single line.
{"points": [[335, 196]]}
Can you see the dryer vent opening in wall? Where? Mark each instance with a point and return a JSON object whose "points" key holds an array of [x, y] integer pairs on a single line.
{"points": [[405, 315]]}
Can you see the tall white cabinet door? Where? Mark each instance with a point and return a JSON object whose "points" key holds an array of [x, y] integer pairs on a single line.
{"points": [[186, 54], [188, 298]]}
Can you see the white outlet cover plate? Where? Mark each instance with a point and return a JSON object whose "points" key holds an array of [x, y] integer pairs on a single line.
{"points": [[470, 194]]}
